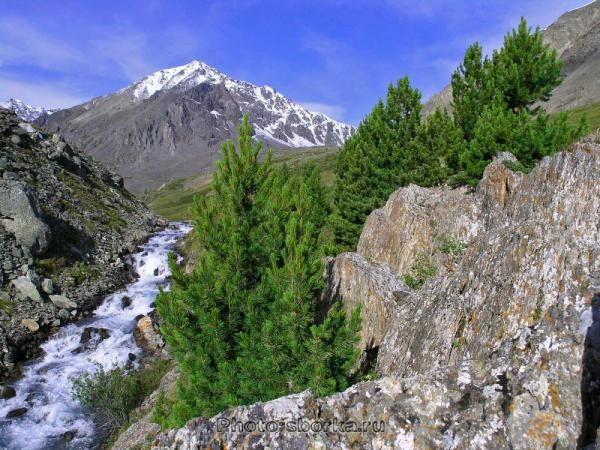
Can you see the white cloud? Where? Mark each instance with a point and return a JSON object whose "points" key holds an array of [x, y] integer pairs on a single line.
{"points": [[334, 111], [48, 95]]}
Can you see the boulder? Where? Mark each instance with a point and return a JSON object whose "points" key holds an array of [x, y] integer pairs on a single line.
{"points": [[20, 215], [146, 337], [30, 324], [125, 301], [47, 286], [90, 334], [26, 289], [60, 301], [374, 287], [18, 412], [7, 392]]}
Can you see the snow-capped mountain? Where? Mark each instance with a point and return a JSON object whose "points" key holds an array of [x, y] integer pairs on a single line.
{"points": [[24, 111], [172, 122], [284, 121]]}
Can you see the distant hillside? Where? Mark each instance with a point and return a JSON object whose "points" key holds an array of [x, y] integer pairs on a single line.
{"points": [[171, 123], [174, 199], [576, 37]]}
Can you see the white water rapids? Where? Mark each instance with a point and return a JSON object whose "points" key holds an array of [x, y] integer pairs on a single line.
{"points": [[45, 387]]}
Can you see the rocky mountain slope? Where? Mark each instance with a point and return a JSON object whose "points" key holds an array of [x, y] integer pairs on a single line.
{"points": [[499, 348], [65, 224], [576, 37], [171, 123], [26, 112]]}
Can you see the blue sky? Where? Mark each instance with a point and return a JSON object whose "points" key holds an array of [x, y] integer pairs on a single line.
{"points": [[335, 56]]}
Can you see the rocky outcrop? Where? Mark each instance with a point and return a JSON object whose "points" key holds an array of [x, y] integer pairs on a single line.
{"points": [[374, 287], [66, 224], [498, 348]]}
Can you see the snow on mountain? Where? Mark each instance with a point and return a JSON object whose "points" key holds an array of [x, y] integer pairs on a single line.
{"points": [[26, 112], [286, 122]]}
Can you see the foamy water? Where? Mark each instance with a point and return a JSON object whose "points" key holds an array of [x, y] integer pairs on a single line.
{"points": [[45, 388]]}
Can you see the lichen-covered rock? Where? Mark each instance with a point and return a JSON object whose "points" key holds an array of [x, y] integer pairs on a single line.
{"points": [[26, 290], [500, 348], [373, 287], [60, 301]]}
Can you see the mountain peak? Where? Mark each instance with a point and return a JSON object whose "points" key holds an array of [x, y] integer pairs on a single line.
{"points": [[192, 74], [26, 112]]}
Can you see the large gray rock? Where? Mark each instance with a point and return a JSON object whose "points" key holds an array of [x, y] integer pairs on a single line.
{"points": [[26, 289], [373, 287], [60, 301], [20, 215]]}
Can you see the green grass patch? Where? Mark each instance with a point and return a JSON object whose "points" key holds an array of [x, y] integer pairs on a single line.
{"points": [[593, 115], [453, 247], [421, 270]]}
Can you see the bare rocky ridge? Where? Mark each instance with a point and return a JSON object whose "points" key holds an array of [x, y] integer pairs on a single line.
{"points": [[576, 37], [66, 223], [172, 123], [500, 349]]}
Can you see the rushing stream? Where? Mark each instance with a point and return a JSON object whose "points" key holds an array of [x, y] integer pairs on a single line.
{"points": [[45, 388]]}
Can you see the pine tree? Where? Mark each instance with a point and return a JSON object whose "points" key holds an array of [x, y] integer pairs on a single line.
{"points": [[494, 104], [437, 147], [241, 324], [371, 164], [472, 89], [526, 70]]}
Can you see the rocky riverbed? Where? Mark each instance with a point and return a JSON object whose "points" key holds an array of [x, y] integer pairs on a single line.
{"points": [[38, 411], [66, 226]]}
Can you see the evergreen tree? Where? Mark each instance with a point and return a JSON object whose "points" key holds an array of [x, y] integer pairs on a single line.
{"points": [[244, 324], [371, 164], [526, 70], [472, 89], [437, 147]]}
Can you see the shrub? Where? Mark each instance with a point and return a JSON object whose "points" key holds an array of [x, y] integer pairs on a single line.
{"points": [[421, 270], [113, 394]]}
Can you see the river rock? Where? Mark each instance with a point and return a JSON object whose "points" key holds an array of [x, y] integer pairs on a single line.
{"points": [[146, 337], [7, 392], [26, 289], [91, 333], [30, 324], [18, 412], [60, 301], [125, 301]]}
